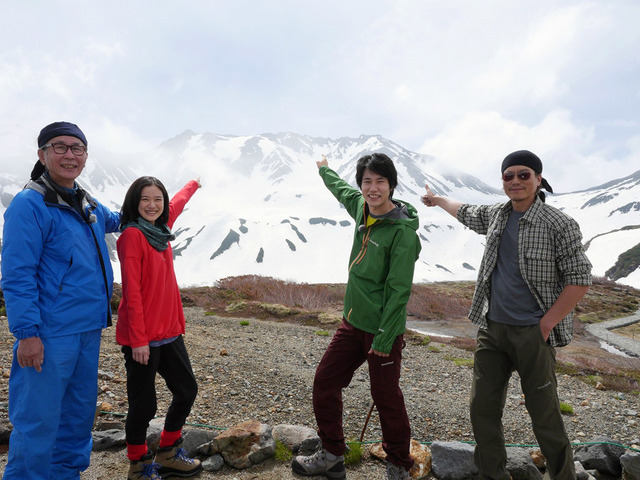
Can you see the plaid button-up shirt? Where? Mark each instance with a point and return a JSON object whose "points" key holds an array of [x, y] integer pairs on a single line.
{"points": [[550, 255]]}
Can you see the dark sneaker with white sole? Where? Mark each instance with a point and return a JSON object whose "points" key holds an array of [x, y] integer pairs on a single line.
{"points": [[394, 472], [320, 463]]}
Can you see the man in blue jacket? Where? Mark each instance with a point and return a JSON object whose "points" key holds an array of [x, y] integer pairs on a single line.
{"points": [[57, 282]]}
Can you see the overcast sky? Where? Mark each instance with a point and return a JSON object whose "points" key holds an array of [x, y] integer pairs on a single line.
{"points": [[464, 81]]}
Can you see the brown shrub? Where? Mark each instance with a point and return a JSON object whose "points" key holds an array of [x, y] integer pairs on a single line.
{"points": [[614, 372], [440, 300], [463, 343], [271, 290], [604, 281], [427, 300]]}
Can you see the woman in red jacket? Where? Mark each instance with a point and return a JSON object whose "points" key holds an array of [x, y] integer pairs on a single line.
{"points": [[150, 328]]}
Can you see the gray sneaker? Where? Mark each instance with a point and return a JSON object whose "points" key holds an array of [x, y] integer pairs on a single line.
{"points": [[319, 464], [395, 472]]}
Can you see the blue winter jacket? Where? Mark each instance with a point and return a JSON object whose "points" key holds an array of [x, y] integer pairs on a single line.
{"points": [[56, 272]]}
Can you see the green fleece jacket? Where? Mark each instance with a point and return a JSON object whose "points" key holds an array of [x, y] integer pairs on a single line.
{"points": [[381, 266]]}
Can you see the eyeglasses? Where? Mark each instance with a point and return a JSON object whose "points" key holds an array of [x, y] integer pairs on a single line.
{"points": [[61, 148], [509, 176]]}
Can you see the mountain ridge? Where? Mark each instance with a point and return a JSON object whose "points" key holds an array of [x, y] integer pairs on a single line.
{"points": [[262, 200]]}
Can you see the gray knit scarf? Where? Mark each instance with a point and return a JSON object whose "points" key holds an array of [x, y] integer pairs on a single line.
{"points": [[158, 237]]}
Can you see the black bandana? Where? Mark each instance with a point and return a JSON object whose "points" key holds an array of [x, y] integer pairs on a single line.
{"points": [[527, 159]]}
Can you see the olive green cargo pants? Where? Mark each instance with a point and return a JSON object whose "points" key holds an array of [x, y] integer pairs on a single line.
{"points": [[502, 349]]}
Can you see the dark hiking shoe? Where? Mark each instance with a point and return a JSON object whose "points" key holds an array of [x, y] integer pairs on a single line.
{"points": [[319, 464], [394, 472]]}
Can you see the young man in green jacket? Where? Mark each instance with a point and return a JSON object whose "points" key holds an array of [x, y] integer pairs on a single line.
{"points": [[385, 249]]}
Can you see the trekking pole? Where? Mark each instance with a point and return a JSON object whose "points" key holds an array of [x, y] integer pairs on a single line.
{"points": [[366, 422]]}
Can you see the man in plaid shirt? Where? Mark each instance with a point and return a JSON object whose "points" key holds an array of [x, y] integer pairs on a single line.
{"points": [[533, 273]]}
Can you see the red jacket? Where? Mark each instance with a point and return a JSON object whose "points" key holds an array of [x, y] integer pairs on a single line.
{"points": [[150, 308]]}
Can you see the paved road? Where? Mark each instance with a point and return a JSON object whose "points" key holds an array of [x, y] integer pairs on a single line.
{"points": [[626, 344]]}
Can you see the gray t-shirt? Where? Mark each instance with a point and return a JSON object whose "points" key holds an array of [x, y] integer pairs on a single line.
{"points": [[511, 301]]}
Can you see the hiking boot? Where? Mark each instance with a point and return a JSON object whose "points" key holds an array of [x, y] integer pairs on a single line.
{"points": [[174, 462], [395, 472], [320, 463], [144, 469]]}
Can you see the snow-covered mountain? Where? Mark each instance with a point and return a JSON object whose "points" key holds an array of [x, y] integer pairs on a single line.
{"points": [[264, 210]]}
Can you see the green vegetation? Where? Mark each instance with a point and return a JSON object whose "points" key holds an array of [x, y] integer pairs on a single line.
{"points": [[425, 340], [322, 333], [235, 307], [277, 309], [593, 379], [566, 409], [354, 453], [434, 349], [282, 453], [326, 318], [245, 322], [464, 362], [461, 362], [563, 368]]}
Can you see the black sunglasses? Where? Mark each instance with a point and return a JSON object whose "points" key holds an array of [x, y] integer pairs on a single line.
{"points": [[509, 176]]}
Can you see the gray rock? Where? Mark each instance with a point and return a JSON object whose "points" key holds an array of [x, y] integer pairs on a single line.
{"points": [[213, 463], [452, 460], [520, 465], [105, 439], [243, 445], [603, 455], [153, 433], [102, 375], [108, 425], [581, 473], [193, 438], [251, 443], [292, 435], [630, 462]]}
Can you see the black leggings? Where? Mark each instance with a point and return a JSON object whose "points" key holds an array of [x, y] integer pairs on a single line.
{"points": [[171, 361]]}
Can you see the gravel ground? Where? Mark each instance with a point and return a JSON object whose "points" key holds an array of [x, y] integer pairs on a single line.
{"points": [[264, 371]]}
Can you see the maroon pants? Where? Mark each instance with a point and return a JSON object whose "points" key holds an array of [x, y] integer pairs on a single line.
{"points": [[347, 351]]}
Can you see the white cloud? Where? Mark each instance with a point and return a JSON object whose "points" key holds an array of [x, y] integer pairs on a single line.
{"points": [[114, 137], [448, 77], [480, 140]]}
